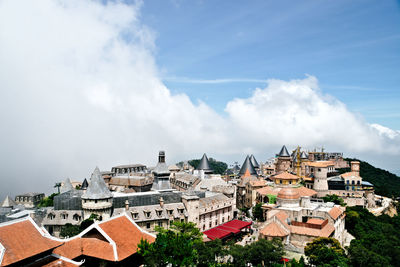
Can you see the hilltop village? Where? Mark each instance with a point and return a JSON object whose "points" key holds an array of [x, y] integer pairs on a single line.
{"points": [[129, 202]]}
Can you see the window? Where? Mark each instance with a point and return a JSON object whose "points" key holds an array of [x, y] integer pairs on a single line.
{"points": [[319, 169], [182, 220], [76, 217], [64, 216], [210, 225], [223, 219], [51, 216], [134, 215], [347, 182], [159, 213], [147, 214], [148, 225], [160, 223], [352, 182], [204, 227], [352, 188]]}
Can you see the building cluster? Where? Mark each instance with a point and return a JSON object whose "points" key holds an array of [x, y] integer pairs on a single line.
{"points": [[136, 199]]}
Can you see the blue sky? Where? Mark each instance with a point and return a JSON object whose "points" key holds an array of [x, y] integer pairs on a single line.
{"points": [[352, 47]]}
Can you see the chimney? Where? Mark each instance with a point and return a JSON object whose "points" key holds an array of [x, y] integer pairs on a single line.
{"points": [[126, 205], [355, 167], [161, 157], [161, 202]]}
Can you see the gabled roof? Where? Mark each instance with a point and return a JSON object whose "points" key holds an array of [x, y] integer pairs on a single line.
{"points": [[335, 212], [284, 152], [247, 165], [274, 230], [22, 239], [97, 188], [254, 161], [114, 240], [204, 163], [85, 184], [321, 164], [8, 202]]}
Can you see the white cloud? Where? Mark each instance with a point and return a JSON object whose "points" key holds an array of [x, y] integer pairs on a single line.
{"points": [[80, 87]]}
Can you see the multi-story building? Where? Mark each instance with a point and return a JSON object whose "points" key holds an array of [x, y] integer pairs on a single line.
{"points": [[29, 200]]}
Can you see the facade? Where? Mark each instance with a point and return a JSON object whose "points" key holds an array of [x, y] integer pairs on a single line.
{"points": [[29, 200], [297, 220]]}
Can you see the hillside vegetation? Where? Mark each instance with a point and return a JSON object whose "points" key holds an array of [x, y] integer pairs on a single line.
{"points": [[385, 183]]}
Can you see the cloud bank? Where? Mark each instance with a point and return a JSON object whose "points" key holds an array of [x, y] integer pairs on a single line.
{"points": [[80, 87]]}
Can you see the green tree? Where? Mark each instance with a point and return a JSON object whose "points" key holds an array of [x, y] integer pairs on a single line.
{"points": [[89, 221], [172, 247], [325, 251], [210, 252], [47, 201], [69, 230], [363, 257], [258, 213], [335, 199]]}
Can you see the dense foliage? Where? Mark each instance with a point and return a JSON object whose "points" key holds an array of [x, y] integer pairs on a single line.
{"points": [[377, 240], [183, 246], [325, 251], [385, 183], [47, 201], [257, 212], [335, 199], [218, 167]]}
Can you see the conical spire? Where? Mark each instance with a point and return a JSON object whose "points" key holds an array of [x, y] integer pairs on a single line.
{"points": [[85, 184], [97, 188], [303, 155], [67, 186], [8, 203], [254, 161], [247, 166], [204, 164], [284, 152]]}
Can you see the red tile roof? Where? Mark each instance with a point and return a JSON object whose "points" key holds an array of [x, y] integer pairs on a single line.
{"points": [[126, 235], [335, 212], [112, 240], [320, 164], [273, 229], [285, 175], [324, 232], [226, 229], [22, 240]]}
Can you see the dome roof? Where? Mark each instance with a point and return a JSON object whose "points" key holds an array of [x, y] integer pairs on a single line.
{"points": [[288, 193]]}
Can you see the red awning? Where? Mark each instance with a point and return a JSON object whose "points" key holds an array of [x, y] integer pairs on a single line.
{"points": [[226, 229]]}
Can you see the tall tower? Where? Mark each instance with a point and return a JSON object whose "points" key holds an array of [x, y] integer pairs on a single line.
{"points": [[97, 199], [283, 163], [161, 174], [321, 180]]}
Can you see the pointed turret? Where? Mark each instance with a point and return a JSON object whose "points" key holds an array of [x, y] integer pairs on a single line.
{"points": [[247, 166], [284, 152], [8, 203], [204, 165], [97, 188], [254, 162], [67, 186], [303, 155], [84, 185]]}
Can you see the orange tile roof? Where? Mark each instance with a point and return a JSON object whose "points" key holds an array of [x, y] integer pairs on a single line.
{"points": [[273, 229], [60, 263], [324, 232], [320, 164], [21, 240], [268, 190], [349, 174], [306, 192], [335, 212], [258, 183], [315, 221], [285, 175], [126, 235], [121, 230], [282, 216], [306, 178]]}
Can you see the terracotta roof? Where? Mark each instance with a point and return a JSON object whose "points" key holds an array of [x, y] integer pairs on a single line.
{"points": [[288, 193], [282, 216], [273, 229], [268, 190], [285, 175], [349, 174], [258, 183], [335, 212], [126, 235], [60, 263], [320, 164], [112, 240], [324, 232], [306, 192], [21, 240], [315, 221]]}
